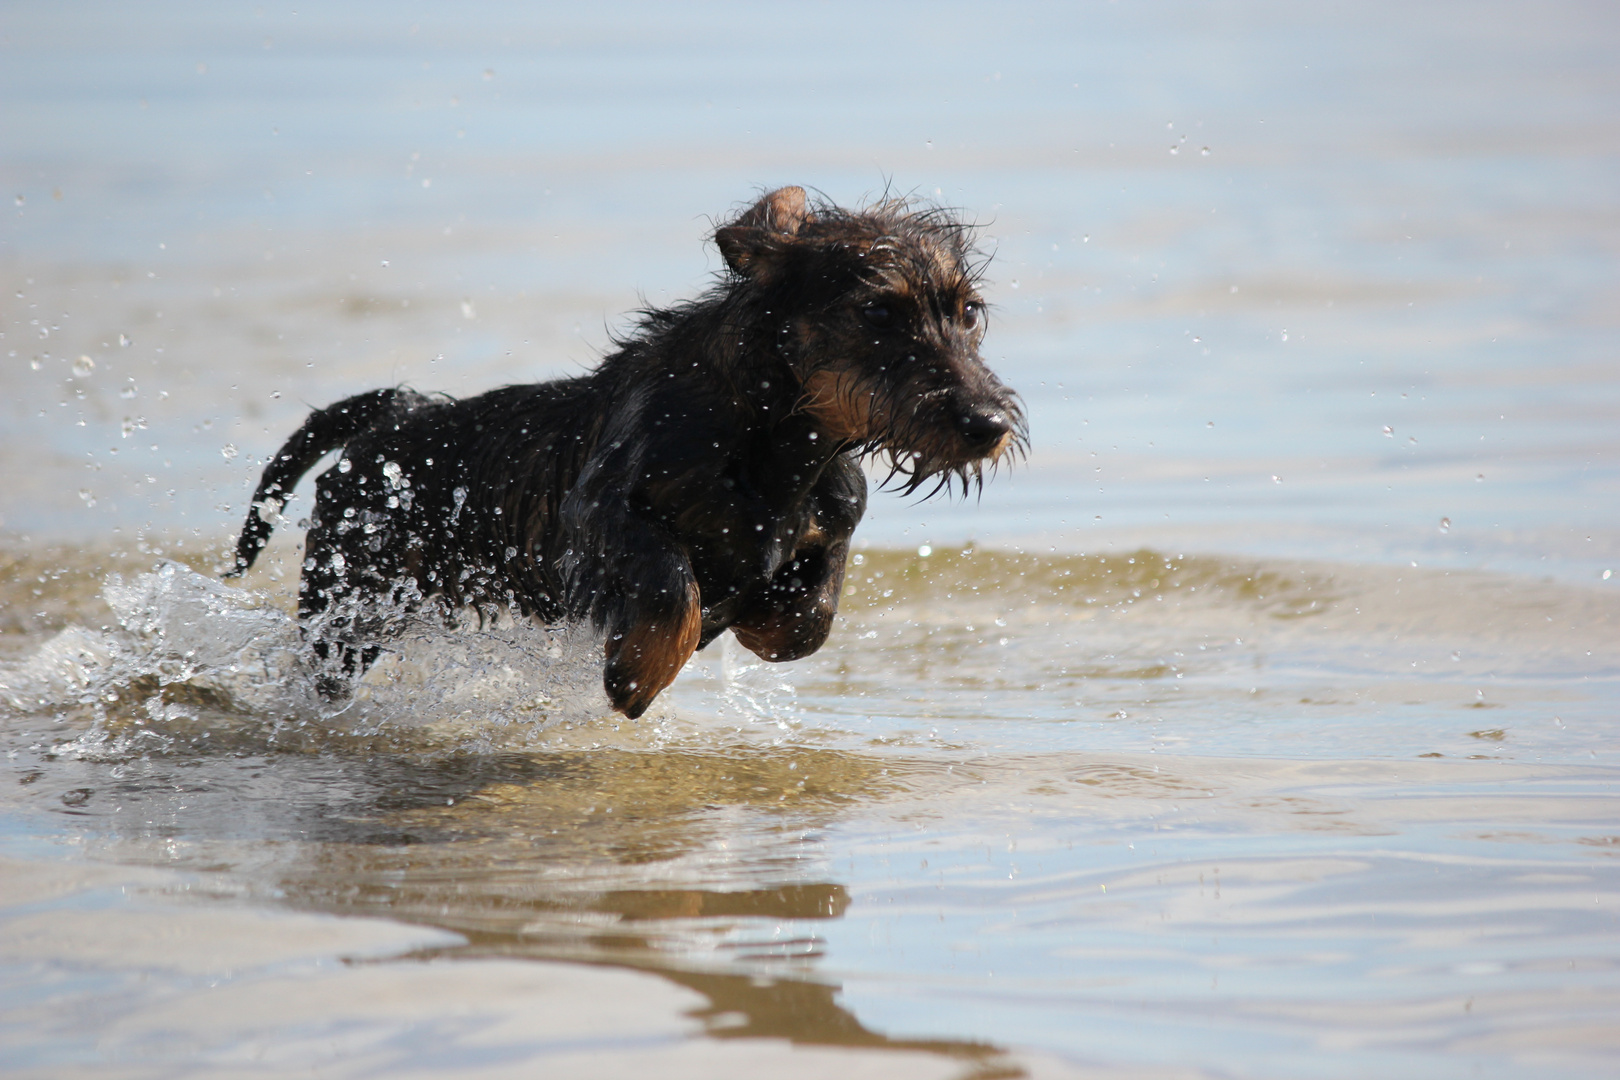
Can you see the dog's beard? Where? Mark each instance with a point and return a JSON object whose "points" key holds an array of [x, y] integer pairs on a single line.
{"points": [[912, 431], [923, 453]]}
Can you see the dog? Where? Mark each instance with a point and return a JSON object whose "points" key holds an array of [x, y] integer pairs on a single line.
{"points": [[705, 476]]}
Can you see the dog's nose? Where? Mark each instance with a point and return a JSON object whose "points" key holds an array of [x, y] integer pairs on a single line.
{"points": [[982, 430]]}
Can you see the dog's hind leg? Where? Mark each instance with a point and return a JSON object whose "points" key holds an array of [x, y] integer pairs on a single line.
{"points": [[329, 618], [356, 579]]}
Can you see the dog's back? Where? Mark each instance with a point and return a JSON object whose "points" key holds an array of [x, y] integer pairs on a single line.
{"points": [[460, 497]]}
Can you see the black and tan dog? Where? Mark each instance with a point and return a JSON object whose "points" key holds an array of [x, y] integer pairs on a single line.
{"points": [[705, 476]]}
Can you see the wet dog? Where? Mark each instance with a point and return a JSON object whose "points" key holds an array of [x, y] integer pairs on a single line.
{"points": [[705, 476]]}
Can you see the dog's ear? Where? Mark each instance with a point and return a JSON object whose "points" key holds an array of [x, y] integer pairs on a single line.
{"points": [[765, 228]]}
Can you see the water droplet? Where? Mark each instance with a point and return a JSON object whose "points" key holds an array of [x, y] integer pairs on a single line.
{"points": [[88, 496], [1175, 149], [129, 391], [83, 366], [1204, 151], [394, 474], [511, 552], [924, 550], [468, 311], [1389, 432], [345, 465], [1275, 479], [1480, 478], [1606, 574], [1445, 524], [228, 451], [123, 341]]}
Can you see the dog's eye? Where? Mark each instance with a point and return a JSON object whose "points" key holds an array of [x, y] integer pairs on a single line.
{"points": [[878, 315], [972, 315]]}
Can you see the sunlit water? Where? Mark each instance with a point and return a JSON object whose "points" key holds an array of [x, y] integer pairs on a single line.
{"points": [[1262, 724]]}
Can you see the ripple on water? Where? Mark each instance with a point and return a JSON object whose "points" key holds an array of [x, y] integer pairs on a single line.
{"points": [[1015, 794]]}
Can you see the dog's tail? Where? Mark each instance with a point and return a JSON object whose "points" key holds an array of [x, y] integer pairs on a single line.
{"points": [[324, 431]]}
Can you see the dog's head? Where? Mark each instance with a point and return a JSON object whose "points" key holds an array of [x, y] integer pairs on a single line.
{"points": [[881, 320]]}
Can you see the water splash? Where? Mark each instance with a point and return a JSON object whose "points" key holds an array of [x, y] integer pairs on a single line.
{"points": [[753, 689], [192, 657]]}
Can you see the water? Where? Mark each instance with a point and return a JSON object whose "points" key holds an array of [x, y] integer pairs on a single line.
{"points": [[1262, 725]]}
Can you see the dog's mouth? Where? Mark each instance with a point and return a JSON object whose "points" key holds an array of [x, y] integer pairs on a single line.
{"points": [[949, 446], [944, 435]]}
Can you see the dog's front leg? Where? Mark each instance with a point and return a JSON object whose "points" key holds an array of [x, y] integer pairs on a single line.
{"points": [[628, 574], [648, 602], [793, 614], [648, 644], [653, 618]]}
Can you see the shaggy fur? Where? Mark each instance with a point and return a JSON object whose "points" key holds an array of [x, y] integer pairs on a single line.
{"points": [[705, 476]]}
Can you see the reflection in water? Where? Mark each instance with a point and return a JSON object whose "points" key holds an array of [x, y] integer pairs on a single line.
{"points": [[703, 867], [546, 853]]}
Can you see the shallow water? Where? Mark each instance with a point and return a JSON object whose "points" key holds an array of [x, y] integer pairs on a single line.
{"points": [[1261, 724], [1134, 810]]}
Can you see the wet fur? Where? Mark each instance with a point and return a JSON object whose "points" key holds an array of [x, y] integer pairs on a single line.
{"points": [[705, 476]]}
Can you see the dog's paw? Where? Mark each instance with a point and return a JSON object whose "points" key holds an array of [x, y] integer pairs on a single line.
{"points": [[644, 658]]}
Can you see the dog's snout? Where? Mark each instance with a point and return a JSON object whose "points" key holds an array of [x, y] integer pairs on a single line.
{"points": [[983, 430]]}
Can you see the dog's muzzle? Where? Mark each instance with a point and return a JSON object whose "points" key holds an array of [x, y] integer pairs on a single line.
{"points": [[985, 432]]}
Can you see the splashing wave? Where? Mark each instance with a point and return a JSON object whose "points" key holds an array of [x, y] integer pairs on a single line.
{"points": [[189, 650]]}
